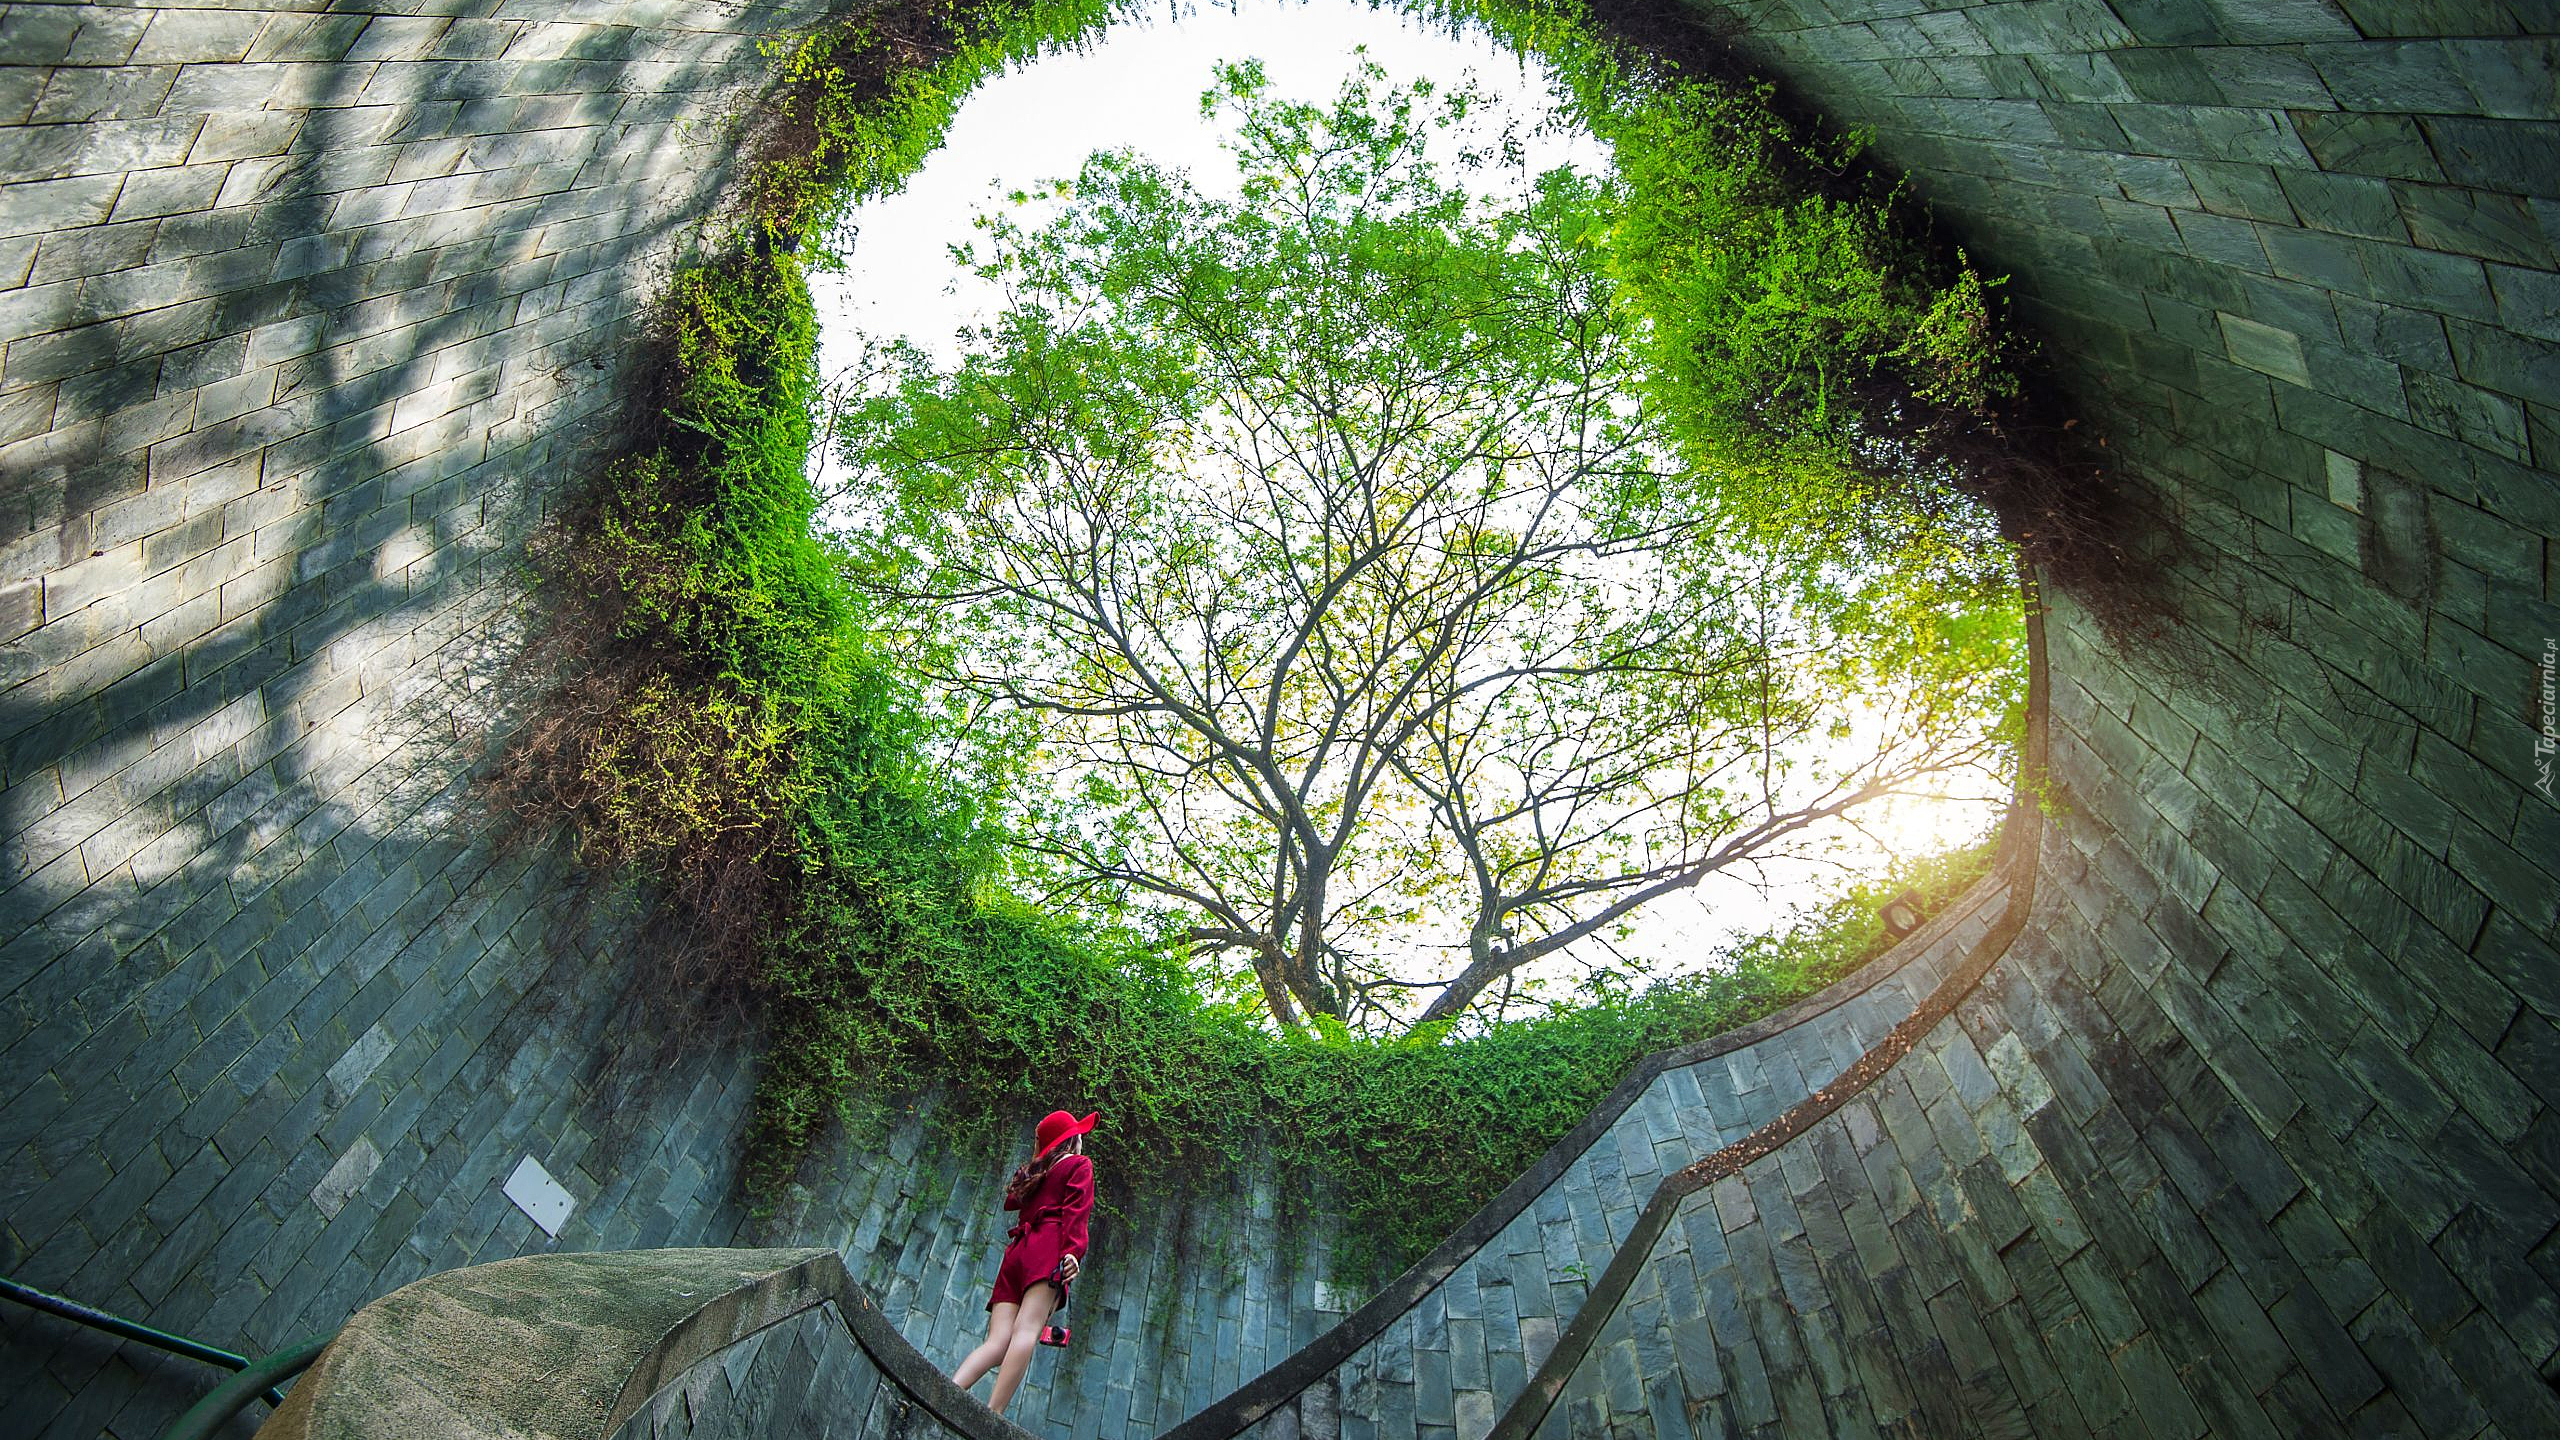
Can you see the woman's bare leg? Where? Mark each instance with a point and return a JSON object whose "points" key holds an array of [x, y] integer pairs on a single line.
{"points": [[1037, 1302], [991, 1350]]}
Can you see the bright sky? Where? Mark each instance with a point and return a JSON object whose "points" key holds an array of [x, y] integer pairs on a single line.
{"points": [[1139, 88]]}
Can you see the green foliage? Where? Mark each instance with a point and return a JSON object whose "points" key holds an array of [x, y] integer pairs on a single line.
{"points": [[1779, 279], [1010, 1011], [1783, 277], [862, 103], [745, 588], [710, 618], [1815, 347], [1362, 456], [731, 738]]}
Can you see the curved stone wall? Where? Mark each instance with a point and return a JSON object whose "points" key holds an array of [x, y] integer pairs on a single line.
{"points": [[2064, 1216], [798, 1378], [636, 1344], [1177, 1307], [1453, 1344], [2295, 998], [303, 311], [305, 314]]}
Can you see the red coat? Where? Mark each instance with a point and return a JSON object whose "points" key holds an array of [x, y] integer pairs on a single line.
{"points": [[1052, 1226]]}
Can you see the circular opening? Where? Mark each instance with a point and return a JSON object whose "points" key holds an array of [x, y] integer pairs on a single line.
{"points": [[1178, 609], [1754, 335]]}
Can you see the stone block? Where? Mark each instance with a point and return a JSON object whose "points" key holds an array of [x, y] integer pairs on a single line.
{"points": [[2470, 221], [2360, 205], [2387, 145], [2311, 258], [2500, 360], [2430, 17], [2248, 191], [2166, 75], [2221, 240], [196, 37], [2265, 349], [2416, 1372], [2152, 1385], [82, 94], [2511, 77], [244, 136], [2398, 76], [306, 37], [2504, 156]]}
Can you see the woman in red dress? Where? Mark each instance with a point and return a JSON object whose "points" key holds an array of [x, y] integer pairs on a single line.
{"points": [[1054, 1194]]}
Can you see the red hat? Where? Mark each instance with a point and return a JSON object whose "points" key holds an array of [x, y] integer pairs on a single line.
{"points": [[1058, 1126]]}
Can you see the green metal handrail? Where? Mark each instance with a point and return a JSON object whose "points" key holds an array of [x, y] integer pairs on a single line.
{"points": [[207, 1416], [117, 1325], [267, 1371]]}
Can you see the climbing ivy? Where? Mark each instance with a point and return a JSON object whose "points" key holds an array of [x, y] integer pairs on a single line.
{"points": [[726, 739]]}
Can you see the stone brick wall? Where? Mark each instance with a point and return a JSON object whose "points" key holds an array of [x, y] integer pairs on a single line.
{"points": [[2254, 1137], [303, 312], [305, 315], [2088, 1206], [1455, 1357], [804, 1376], [2074, 1213], [1177, 1305]]}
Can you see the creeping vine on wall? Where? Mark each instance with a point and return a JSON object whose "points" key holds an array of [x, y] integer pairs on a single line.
{"points": [[724, 738]]}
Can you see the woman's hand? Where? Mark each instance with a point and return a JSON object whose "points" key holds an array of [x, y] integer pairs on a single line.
{"points": [[1067, 1268]]}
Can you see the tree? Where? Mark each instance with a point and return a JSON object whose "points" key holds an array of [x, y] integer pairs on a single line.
{"points": [[1320, 549]]}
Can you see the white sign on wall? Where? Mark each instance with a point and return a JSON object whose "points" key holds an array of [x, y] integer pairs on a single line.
{"points": [[540, 1196]]}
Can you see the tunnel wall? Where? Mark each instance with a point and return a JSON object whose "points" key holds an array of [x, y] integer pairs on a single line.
{"points": [[2079, 1209], [1179, 1303], [307, 318], [305, 314], [798, 1378], [2253, 1134], [1452, 1345]]}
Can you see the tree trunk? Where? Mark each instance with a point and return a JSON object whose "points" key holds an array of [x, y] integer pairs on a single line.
{"points": [[1306, 975], [1267, 968]]}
